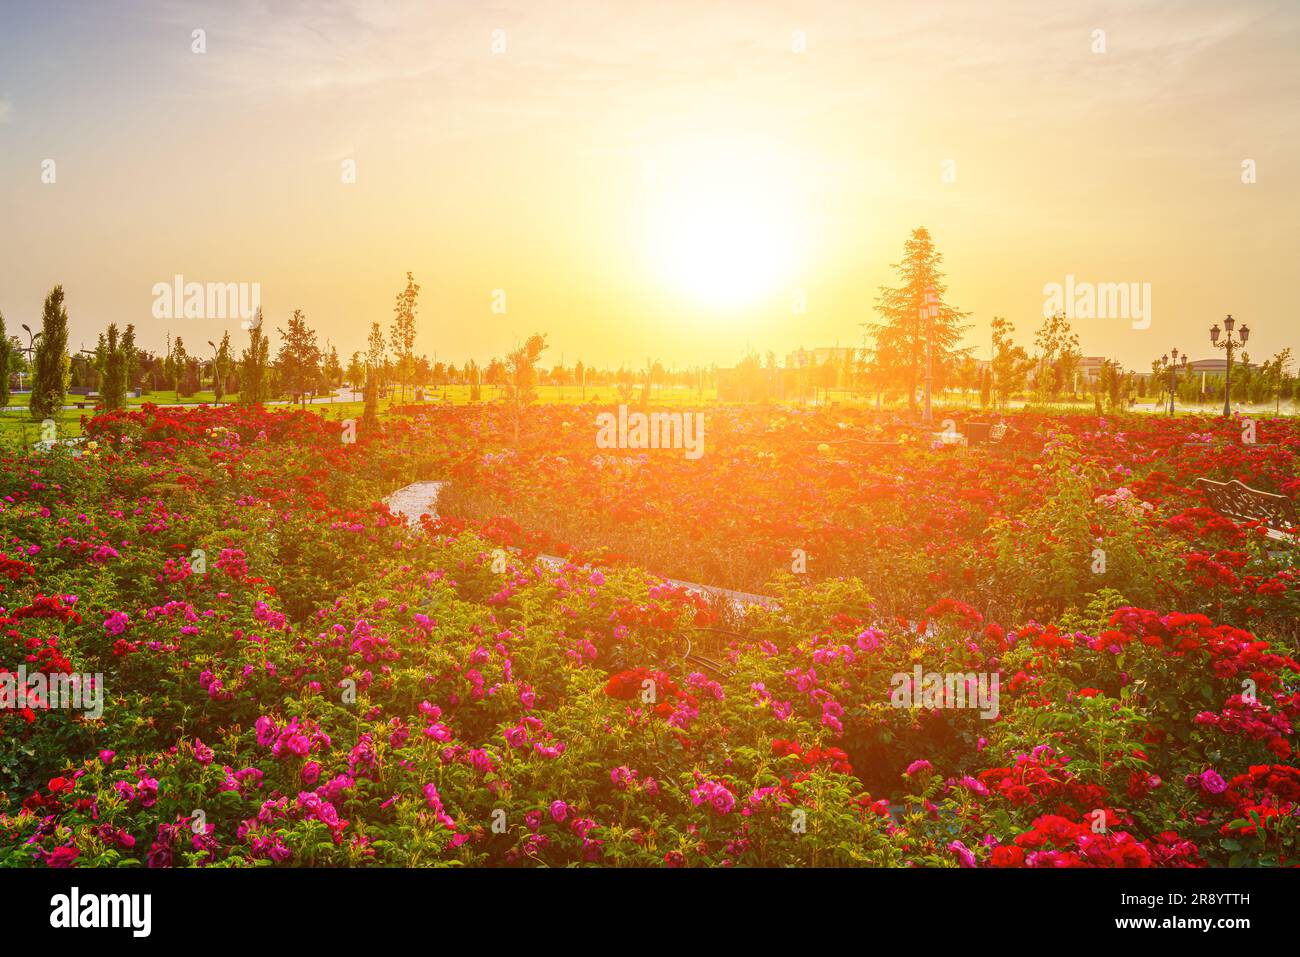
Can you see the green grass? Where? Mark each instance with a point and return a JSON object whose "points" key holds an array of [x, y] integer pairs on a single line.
{"points": [[567, 395], [167, 397], [17, 428]]}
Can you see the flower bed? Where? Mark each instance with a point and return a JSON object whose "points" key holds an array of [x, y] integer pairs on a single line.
{"points": [[291, 675]]}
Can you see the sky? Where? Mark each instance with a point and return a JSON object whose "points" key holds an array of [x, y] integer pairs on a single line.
{"points": [[672, 181]]}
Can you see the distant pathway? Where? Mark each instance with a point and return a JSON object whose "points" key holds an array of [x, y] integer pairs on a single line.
{"points": [[421, 498], [88, 405]]}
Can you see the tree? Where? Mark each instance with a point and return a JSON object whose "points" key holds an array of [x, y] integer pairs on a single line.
{"points": [[826, 376], [880, 369], [6, 358], [50, 375], [299, 359], [1159, 381], [1242, 378], [18, 358], [402, 334], [521, 377], [375, 359], [474, 376], [332, 372], [1011, 364], [170, 368], [254, 389], [968, 376], [1273, 373], [112, 390], [1112, 382], [495, 374], [191, 379], [185, 374], [100, 363], [221, 367], [903, 335], [356, 374], [370, 412], [1058, 357], [131, 357]]}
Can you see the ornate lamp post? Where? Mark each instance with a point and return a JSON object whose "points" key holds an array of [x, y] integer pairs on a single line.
{"points": [[1173, 374], [31, 348], [1229, 344], [929, 312]]}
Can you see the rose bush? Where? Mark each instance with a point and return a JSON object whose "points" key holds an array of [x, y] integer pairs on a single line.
{"points": [[292, 675]]}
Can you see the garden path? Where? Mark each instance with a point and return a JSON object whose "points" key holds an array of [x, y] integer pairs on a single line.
{"points": [[421, 498]]}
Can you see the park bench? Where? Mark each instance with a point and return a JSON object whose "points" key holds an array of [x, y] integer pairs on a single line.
{"points": [[707, 650], [983, 434], [83, 395], [1241, 503]]}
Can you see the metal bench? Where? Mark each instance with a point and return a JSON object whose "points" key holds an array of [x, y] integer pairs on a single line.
{"points": [[1241, 503], [983, 434], [708, 650]]}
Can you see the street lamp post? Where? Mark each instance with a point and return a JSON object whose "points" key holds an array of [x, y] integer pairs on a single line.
{"points": [[31, 341], [1229, 344], [1173, 374], [929, 312]]}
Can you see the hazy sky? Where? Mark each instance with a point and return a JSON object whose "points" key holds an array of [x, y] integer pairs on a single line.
{"points": [[615, 156]]}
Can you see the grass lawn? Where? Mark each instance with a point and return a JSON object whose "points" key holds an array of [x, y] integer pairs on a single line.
{"points": [[18, 429], [167, 397]]}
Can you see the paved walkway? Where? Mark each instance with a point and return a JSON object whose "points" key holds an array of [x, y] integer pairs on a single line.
{"points": [[421, 498]]}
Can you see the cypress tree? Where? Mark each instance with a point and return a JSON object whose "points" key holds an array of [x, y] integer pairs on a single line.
{"points": [[370, 413], [253, 386], [113, 389], [6, 357], [131, 357], [50, 371]]}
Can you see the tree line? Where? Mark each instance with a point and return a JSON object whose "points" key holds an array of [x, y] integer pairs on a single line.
{"points": [[914, 319], [301, 369]]}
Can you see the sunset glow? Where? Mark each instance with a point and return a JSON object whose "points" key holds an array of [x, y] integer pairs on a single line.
{"points": [[856, 442], [724, 235]]}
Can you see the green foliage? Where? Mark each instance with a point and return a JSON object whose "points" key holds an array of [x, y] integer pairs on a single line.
{"points": [[6, 360], [902, 334], [113, 388], [298, 363], [51, 365], [1074, 542], [254, 384]]}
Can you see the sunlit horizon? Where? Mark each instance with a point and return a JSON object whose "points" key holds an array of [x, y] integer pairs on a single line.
{"points": [[676, 184]]}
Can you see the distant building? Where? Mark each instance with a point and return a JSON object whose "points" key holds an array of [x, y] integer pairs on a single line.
{"points": [[755, 384], [812, 358], [1201, 368], [1090, 368], [1215, 366]]}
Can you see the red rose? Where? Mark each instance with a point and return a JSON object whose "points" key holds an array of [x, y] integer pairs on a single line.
{"points": [[1007, 855]]}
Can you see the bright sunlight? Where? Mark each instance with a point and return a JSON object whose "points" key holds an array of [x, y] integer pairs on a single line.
{"points": [[722, 228]]}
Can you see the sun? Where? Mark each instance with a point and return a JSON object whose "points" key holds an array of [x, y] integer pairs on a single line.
{"points": [[723, 232]]}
